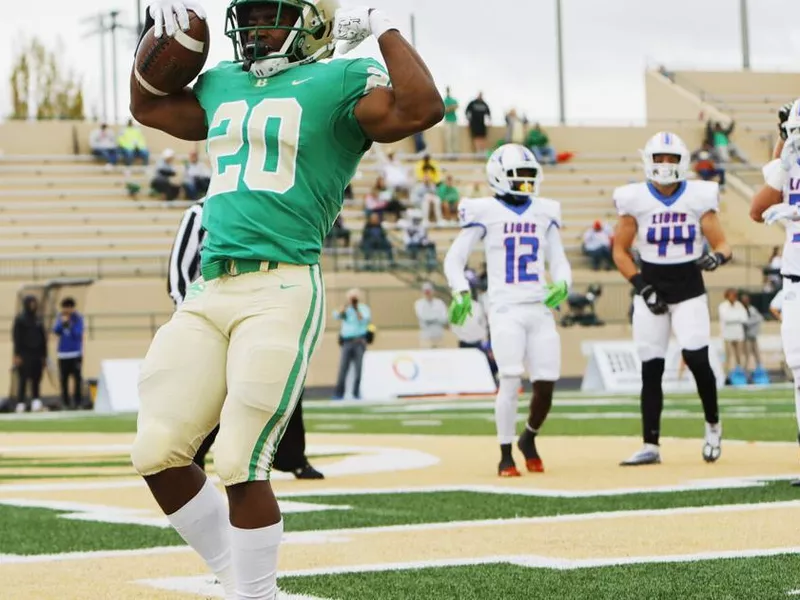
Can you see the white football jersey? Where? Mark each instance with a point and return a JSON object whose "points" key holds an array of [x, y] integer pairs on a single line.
{"points": [[668, 227], [514, 245], [790, 262]]}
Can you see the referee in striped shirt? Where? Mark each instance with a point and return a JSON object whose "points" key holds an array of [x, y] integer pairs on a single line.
{"points": [[184, 268]]}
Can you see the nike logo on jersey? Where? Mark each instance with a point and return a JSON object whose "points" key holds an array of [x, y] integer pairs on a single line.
{"points": [[299, 81], [286, 287]]}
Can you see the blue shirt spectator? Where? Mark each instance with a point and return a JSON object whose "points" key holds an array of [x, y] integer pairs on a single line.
{"points": [[355, 319], [69, 329]]}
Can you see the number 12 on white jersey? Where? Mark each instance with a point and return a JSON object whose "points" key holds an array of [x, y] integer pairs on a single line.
{"points": [[521, 252]]}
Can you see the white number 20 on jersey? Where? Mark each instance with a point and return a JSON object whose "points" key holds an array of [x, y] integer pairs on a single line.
{"points": [[271, 132]]}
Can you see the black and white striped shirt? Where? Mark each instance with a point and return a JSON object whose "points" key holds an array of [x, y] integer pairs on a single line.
{"points": [[184, 260]]}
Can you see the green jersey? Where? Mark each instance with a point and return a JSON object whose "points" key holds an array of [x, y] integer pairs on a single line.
{"points": [[282, 151], [450, 115]]}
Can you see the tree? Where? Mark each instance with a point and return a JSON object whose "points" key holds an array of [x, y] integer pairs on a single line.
{"points": [[40, 82]]}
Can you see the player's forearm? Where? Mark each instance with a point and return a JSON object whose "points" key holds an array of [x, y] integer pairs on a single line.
{"points": [[767, 196], [624, 262], [415, 95], [457, 257], [560, 269], [180, 115]]}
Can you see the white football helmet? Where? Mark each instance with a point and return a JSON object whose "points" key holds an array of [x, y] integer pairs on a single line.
{"points": [[502, 171], [792, 124], [665, 142]]}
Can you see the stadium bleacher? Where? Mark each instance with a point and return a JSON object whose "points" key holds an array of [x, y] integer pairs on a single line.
{"points": [[64, 215]]}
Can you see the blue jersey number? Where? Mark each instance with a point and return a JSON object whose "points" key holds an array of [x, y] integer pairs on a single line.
{"points": [[681, 235], [517, 268]]}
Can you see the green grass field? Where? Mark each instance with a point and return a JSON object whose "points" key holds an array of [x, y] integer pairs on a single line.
{"points": [[757, 415]]}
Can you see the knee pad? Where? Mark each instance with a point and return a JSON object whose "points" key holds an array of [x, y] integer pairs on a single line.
{"points": [[232, 459], [159, 447], [697, 360], [508, 390]]}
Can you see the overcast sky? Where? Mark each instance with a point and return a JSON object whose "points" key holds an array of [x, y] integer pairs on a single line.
{"points": [[506, 48]]}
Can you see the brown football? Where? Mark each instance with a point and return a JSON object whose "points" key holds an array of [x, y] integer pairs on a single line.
{"points": [[168, 64]]}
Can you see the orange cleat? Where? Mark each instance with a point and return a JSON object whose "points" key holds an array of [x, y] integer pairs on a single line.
{"points": [[534, 465], [508, 470]]}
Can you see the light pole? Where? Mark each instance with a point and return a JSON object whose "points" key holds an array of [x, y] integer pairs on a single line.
{"points": [[745, 27], [562, 119]]}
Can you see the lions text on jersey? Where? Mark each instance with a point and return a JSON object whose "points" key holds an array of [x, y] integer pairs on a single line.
{"points": [[669, 237], [515, 245], [790, 265]]}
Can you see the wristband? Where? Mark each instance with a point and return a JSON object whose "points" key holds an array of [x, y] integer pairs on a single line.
{"points": [[722, 259], [380, 23], [638, 282], [774, 175]]}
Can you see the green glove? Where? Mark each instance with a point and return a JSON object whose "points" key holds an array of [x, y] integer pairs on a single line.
{"points": [[460, 308], [556, 294]]}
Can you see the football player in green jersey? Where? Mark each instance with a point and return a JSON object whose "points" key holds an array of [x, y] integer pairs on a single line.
{"points": [[285, 133]]}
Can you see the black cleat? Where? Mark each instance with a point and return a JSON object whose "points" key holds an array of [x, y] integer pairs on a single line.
{"points": [[308, 472]]}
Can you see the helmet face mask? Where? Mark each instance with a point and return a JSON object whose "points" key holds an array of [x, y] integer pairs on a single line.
{"points": [[792, 124], [513, 170], [309, 24], [656, 168]]}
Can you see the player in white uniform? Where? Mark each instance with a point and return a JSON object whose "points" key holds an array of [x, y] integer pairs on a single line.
{"points": [[520, 232], [668, 218], [779, 200]]}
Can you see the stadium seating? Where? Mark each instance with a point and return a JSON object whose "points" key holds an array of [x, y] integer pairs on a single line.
{"points": [[64, 215]]}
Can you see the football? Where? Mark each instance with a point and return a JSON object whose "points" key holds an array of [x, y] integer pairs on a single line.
{"points": [[168, 64]]}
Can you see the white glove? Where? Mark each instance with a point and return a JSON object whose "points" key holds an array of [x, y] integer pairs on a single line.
{"points": [[781, 212], [351, 26], [165, 11]]}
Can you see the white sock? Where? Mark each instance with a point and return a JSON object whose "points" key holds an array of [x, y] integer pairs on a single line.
{"points": [[505, 409], [203, 524], [255, 559]]}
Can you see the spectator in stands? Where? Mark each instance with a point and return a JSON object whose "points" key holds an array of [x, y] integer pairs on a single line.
{"points": [[432, 317], [705, 165], [356, 318], [163, 182], [720, 139], [427, 166], [132, 145], [478, 117], [338, 232], [30, 354], [451, 131], [515, 127], [752, 328], [374, 240], [539, 144], [732, 319], [196, 178], [381, 200], [450, 197], [69, 329], [426, 196], [415, 238], [395, 176], [597, 246], [103, 145]]}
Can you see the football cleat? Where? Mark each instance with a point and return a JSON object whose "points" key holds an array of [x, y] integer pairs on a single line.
{"points": [[508, 469], [648, 455], [527, 445], [712, 445]]}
